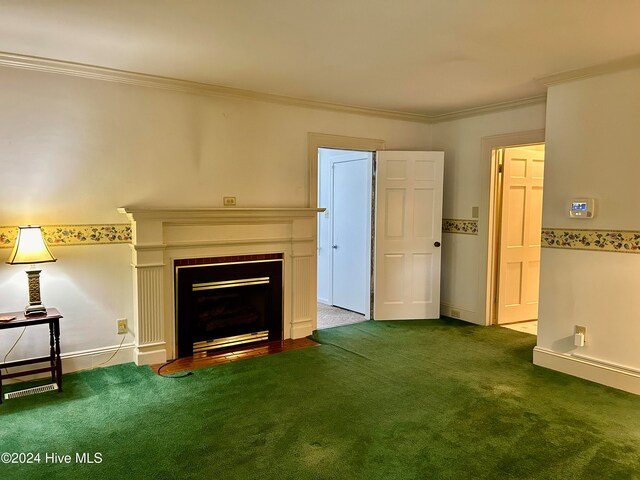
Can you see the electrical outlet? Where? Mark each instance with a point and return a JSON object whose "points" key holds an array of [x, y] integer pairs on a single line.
{"points": [[579, 336], [122, 326], [229, 201], [580, 329], [455, 313]]}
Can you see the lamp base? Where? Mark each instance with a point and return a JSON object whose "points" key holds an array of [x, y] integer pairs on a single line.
{"points": [[35, 306], [35, 310]]}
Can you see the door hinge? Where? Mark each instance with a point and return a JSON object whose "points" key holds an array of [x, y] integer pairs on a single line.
{"points": [[500, 168]]}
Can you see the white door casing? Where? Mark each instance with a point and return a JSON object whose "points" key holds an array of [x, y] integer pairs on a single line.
{"points": [[520, 226], [351, 244], [408, 235]]}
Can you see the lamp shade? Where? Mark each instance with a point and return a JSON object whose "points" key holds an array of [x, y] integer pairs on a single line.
{"points": [[30, 247]]}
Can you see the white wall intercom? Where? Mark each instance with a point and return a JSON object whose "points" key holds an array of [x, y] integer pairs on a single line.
{"points": [[581, 208]]}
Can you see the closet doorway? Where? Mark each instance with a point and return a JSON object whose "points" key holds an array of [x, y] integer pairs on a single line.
{"points": [[345, 182]]}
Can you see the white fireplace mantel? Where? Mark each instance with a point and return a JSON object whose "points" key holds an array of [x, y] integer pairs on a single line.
{"points": [[161, 236]]}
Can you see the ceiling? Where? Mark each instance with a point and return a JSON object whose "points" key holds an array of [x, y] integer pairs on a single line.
{"points": [[428, 57]]}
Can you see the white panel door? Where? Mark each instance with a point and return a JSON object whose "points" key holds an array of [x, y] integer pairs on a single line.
{"points": [[351, 237], [408, 235], [521, 224]]}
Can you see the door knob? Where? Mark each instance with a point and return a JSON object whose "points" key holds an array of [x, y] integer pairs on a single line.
{"points": [[334, 246], [436, 244]]}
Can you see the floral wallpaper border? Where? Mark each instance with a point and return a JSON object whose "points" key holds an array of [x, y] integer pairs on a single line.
{"points": [[452, 225], [620, 241], [64, 235]]}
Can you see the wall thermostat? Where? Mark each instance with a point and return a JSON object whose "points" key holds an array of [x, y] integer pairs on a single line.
{"points": [[581, 208]]}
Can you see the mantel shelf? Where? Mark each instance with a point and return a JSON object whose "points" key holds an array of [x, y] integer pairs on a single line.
{"points": [[181, 215]]}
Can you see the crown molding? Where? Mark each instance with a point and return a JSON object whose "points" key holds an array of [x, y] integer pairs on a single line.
{"points": [[165, 83], [617, 65], [73, 69], [493, 107]]}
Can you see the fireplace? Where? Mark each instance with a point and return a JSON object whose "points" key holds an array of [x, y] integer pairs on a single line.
{"points": [[162, 238], [227, 301]]}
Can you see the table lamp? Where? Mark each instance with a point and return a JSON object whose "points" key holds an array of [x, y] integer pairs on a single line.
{"points": [[30, 248]]}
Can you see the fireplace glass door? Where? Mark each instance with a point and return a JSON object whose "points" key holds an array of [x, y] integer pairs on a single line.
{"points": [[226, 304]]}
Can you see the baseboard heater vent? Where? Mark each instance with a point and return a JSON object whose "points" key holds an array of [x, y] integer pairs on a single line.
{"points": [[31, 391]]}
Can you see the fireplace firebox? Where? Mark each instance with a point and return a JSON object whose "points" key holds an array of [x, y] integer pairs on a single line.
{"points": [[227, 301]]}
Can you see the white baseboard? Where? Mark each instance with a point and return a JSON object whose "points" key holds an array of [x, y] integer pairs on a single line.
{"points": [[615, 376], [466, 315], [98, 357], [83, 360]]}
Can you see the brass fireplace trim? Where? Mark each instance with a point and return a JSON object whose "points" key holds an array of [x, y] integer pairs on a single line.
{"points": [[200, 347], [179, 267], [242, 282]]}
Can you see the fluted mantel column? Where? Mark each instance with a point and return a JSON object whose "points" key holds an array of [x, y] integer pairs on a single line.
{"points": [[148, 283]]}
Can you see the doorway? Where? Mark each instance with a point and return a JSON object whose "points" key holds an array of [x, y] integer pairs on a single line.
{"points": [[345, 184], [405, 232], [519, 173]]}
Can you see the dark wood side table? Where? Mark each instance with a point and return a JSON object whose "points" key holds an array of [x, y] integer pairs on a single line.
{"points": [[52, 318]]}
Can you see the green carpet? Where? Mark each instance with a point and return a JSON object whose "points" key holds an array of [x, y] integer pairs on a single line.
{"points": [[379, 400]]}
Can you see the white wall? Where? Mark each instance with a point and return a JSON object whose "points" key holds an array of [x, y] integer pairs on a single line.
{"points": [[465, 172], [592, 151], [72, 150], [90, 285]]}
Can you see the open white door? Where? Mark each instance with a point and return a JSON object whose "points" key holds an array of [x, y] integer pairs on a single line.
{"points": [[519, 277], [408, 235]]}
